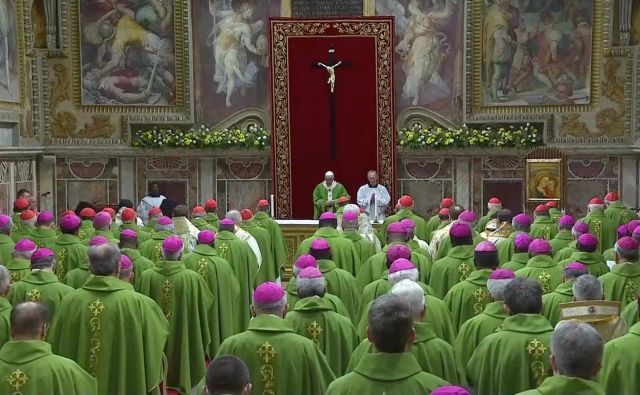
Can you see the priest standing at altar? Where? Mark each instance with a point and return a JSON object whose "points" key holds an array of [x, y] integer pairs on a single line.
{"points": [[373, 197], [326, 194]]}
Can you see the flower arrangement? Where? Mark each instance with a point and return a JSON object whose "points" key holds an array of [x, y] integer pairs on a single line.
{"points": [[417, 137], [203, 137]]}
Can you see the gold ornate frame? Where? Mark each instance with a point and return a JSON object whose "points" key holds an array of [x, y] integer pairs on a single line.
{"points": [[368, 8], [379, 28], [475, 103], [560, 164], [182, 62], [21, 41]]}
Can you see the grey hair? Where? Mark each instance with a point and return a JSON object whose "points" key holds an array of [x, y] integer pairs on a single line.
{"points": [[353, 208], [412, 293], [6, 229], [311, 287], [171, 255], [102, 227], [409, 274], [160, 228], [24, 254], [235, 216], [496, 287], [520, 228], [43, 263], [270, 308], [587, 287], [523, 295], [627, 255], [104, 259], [5, 278], [577, 348], [29, 223], [572, 274], [350, 225]]}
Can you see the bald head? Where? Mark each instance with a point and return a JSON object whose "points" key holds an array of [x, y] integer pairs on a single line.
{"points": [[28, 321]]}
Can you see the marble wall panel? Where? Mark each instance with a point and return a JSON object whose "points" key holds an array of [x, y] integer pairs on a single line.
{"points": [[94, 180], [179, 170]]}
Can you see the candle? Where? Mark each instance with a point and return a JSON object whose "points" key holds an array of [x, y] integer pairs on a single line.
{"points": [[272, 207]]}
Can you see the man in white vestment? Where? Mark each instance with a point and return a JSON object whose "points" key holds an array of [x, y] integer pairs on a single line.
{"points": [[153, 199], [373, 197], [242, 234]]}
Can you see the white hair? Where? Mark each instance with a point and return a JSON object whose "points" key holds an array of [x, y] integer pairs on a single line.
{"points": [[24, 254], [311, 286], [329, 174], [171, 255], [29, 223], [160, 228], [577, 348], [6, 229], [496, 287], [408, 274], [270, 308], [351, 208], [412, 293], [235, 216], [587, 287], [5, 278]]}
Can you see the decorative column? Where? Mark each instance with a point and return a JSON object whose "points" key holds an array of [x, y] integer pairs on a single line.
{"points": [[51, 13], [462, 184], [624, 13], [207, 178], [629, 181], [128, 178]]}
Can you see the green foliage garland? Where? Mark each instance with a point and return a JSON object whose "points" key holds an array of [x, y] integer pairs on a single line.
{"points": [[417, 137], [203, 137]]}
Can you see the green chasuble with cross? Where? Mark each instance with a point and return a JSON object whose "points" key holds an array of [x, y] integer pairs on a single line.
{"points": [[473, 331], [421, 225], [18, 268], [619, 374], [451, 269], [43, 236], [566, 252], [562, 385], [218, 275], [481, 226], [433, 354], [86, 231], [343, 252], [518, 261], [334, 334], [543, 269], [619, 214], [278, 244], [550, 302], [505, 248], [140, 264], [40, 286], [622, 283], [267, 271], [321, 198], [514, 359], [386, 373], [186, 302], [342, 284], [364, 247], [213, 220], [468, 298], [115, 334], [594, 261], [202, 224], [104, 233], [376, 266], [140, 232], [5, 325], [29, 367], [543, 227], [562, 239], [603, 228], [333, 301], [77, 277], [445, 245], [245, 267], [70, 254], [22, 233], [152, 248], [630, 314], [279, 360], [6, 248]]}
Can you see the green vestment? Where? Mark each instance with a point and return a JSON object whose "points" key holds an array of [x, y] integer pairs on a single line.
{"points": [[40, 286], [602, 228], [343, 252], [543, 269], [481, 226], [555, 214], [332, 300], [334, 334], [104, 233], [213, 220], [279, 360], [550, 302], [70, 254], [267, 271], [321, 198], [543, 227], [15, 219], [594, 261], [619, 214], [5, 324], [6, 248], [219, 277], [186, 303], [619, 374], [468, 298], [566, 252], [562, 239], [245, 267], [363, 246], [202, 224], [140, 264], [431, 225], [86, 231], [514, 359], [149, 228], [445, 245], [377, 288], [609, 255], [473, 331], [18, 268], [385, 373], [77, 277], [376, 266], [421, 225], [518, 261], [278, 244], [114, 333], [451, 269], [44, 237], [152, 248], [622, 283], [630, 314], [22, 233], [433, 354], [142, 235], [342, 284], [505, 248], [29, 367], [563, 385]]}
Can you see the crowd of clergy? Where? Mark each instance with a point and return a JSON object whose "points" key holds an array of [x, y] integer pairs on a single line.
{"points": [[97, 302]]}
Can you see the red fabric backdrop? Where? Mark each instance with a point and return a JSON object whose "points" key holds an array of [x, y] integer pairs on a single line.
{"points": [[356, 120]]}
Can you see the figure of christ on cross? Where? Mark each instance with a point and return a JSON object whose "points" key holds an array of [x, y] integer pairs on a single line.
{"points": [[330, 66]]}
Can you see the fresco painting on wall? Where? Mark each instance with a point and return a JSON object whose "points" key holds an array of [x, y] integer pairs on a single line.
{"points": [[230, 56], [127, 52], [9, 62], [536, 52], [544, 179], [429, 36]]}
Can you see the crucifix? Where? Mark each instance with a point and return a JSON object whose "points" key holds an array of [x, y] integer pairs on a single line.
{"points": [[330, 66]]}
